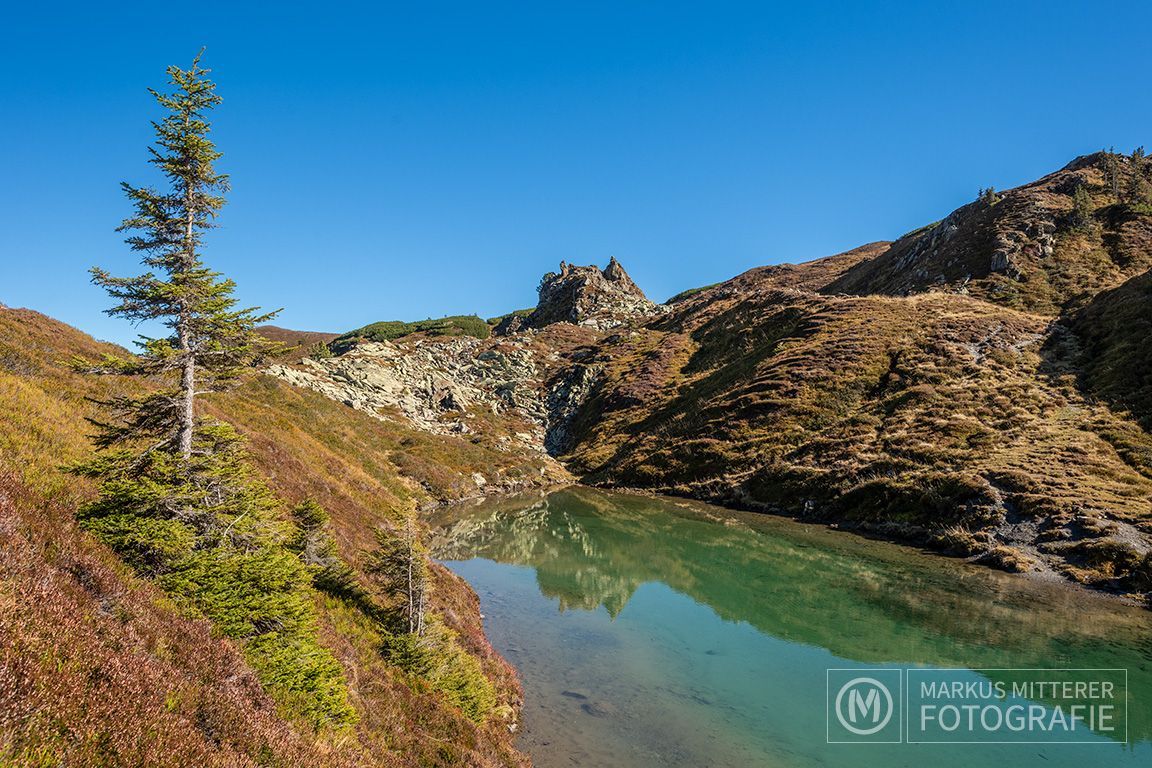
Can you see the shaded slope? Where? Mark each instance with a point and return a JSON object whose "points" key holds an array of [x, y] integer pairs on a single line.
{"points": [[1116, 332]]}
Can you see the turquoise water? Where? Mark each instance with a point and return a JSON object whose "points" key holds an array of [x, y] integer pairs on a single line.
{"points": [[653, 633]]}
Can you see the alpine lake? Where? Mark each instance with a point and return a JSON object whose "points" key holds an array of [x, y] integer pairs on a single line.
{"points": [[659, 633]]}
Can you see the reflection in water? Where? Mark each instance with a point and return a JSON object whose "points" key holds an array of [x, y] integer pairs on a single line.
{"points": [[703, 635]]}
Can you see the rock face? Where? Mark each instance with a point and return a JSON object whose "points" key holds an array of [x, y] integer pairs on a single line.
{"points": [[567, 394], [439, 384], [599, 298], [517, 387]]}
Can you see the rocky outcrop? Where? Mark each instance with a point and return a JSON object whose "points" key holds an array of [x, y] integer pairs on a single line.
{"points": [[442, 385], [458, 386], [515, 387], [600, 298], [567, 394]]}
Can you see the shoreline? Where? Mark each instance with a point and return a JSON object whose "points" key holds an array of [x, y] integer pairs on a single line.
{"points": [[865, 531]]}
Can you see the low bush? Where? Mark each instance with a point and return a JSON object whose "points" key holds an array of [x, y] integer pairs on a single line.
{"points": [[390, 330], [437, 658]]}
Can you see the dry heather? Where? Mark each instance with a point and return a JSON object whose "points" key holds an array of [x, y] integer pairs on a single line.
{"points": [[98, 669]]}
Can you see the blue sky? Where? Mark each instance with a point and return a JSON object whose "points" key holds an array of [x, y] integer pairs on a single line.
{"points": [[407, 160]]}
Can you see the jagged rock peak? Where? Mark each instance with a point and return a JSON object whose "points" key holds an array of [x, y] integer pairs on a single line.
{"points": [[588, 295]]}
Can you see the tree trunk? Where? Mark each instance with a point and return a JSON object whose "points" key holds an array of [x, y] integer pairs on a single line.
{"points": [[411, 582], [187, 415]]}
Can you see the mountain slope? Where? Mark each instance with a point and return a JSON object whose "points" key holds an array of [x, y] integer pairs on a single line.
{"points": [[1115, 330], [980, 385], [99, 669], [1022, 251], [930, 417], [109, 672]]}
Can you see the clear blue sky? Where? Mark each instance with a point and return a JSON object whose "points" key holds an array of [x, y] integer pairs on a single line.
{"points": [[406, 160]]}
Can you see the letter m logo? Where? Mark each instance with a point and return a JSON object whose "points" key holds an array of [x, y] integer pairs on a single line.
{"points": [[864, 705]]}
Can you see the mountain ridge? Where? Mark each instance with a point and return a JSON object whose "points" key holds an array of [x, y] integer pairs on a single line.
{"points": [[940, 388]]}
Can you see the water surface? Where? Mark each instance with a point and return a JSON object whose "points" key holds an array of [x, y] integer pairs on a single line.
{"points": [[659, 633]]}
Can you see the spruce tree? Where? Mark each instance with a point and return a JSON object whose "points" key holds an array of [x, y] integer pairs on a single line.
{"points": [[317, 549], [1111, 163], [178, 498], [211, 341], [399, 569], [1081, 216], [1139, 187]]}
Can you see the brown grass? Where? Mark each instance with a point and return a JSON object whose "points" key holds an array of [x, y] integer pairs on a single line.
{"points": [[98, 669]]}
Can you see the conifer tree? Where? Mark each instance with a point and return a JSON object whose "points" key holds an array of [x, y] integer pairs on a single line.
{"points": [[1139, 187], [1112, 172], [318, 551], [1080, 218], [178, 499], [211, 341], [399, 568]]}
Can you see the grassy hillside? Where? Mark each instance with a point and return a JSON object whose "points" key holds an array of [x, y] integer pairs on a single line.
{"points": [[1115, 330], [979, 385], [297, 343], [941, 418], [1025, 249], [82, 625], [100, 669]]}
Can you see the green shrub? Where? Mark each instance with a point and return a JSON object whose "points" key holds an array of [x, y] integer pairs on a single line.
{"points": [[437, 658], [210, 535], [494, 321], [389, 330], [317, 550], [689, 292], [319, 351]]}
